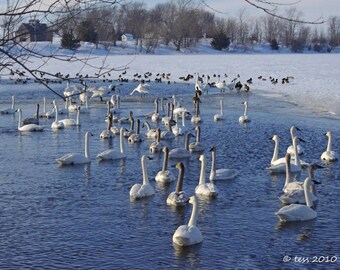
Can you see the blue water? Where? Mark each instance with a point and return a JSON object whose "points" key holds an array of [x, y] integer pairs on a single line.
{"points": [[81, 217]]}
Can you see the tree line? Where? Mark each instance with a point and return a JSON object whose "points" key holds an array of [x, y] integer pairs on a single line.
{"points": [[183, 23]]}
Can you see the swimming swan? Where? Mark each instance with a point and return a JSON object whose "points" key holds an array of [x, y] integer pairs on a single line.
{"points": [[107, 133], [56, 124], [165, 176], [299, 212], [203, 188], [136, 137], [244, 118], [157, 145], [219, 116], [182, 152], [151, 132], [139, 191], [178, 197], [290, 148], [197, 146], [29, 127], [329, 155], [77, 158], [71, 122], [187, 235], [112, 154], [220, 174], [11, 110]]}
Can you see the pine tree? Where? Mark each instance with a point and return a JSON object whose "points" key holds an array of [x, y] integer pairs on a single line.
{"points": [[220, 41]]}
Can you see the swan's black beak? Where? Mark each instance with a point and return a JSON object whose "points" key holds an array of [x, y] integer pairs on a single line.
{"points": [[316, 182], [297, 128], [212, 149], [301, 140], [150, 158], [317, 166]]}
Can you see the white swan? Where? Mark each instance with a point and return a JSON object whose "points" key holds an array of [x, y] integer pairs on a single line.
{"points": [[203, 188], [165, 176], [168, 134], [196, 118], [219, 116], [142, 89], [127, 133], [290, 148], [11, 110], [182, 152], [295, 164], [107, 133], [329, 155], [77, 158], [136, 137], [139, 191], [187, 235], [178, 197], [155, 116], [197, 146], [151, 132], [68, 122], [294, 192], [299, 212], [157, 145], [112, 154], [56, 124], [220, 174], [29, 127], [244, 118]]}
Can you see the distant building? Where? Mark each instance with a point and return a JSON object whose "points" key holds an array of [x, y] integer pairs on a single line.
{"points": [[127, 37], [33, 31]]}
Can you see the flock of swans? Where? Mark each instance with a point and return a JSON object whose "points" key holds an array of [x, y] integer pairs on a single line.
{"points": [[298, 196]]}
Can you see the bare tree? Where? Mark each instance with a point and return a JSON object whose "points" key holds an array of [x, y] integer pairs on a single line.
{"points": [[334, 31], [16, 57]]}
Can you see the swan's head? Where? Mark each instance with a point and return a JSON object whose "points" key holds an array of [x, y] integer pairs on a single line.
{"points": [[145, 158], [165, 149], [275, 138], [179, 165], [328, 133], [192, 200], [201, 157]]}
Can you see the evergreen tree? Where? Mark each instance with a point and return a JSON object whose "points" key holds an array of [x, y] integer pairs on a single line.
{"points": [[220, 41], [68, 41], [274, 45]]}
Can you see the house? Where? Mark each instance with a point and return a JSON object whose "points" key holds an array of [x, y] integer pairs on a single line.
{"points": [[127, 37], [33, 31]]}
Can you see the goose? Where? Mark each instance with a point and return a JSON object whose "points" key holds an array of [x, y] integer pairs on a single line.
{"points": [[299, 212], [220, 116], [28, 127], [182, 152], [197, 146], [220, 174], [142, 89], [295, 164], [139, 191], [329, 155], [77, 158], [178, 197], [151, 132], [33, 120], [203, 188], [136, 137], [165, 176], [111, 154], [11, 110], [294, 192], [157, 146], [71, 122], [244, 118], [196, 118], [107, 133], [56, 124], [290, 148], [187, 235], [275, 161]]}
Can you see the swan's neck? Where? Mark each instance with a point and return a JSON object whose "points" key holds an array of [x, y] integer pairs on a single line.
{"points": [[86, 102], [193, 218], [202, 175], [158, 138], [221, 105], [109, 123], [307, 193], [276, 151], [56, 113], [288, 177], [329, 144], [138, 127], [297, 158], [145, 172], [67, 103], [245, 109], [37, 111], [118, 101], [87, 154], [165, 161], [121, 143], [162, 104], [213, 157], [132, 124], [45, 109], [156, 104], [198, 135], [197, 111], [20, 119], [179, 185], [292, 133], [183, 119], [13, 102], [108, 108], [78, 116], [147, 124], [186, 143]]}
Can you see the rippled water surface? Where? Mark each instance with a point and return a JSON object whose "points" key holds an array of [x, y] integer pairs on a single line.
{"points": [[81, 217]]}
